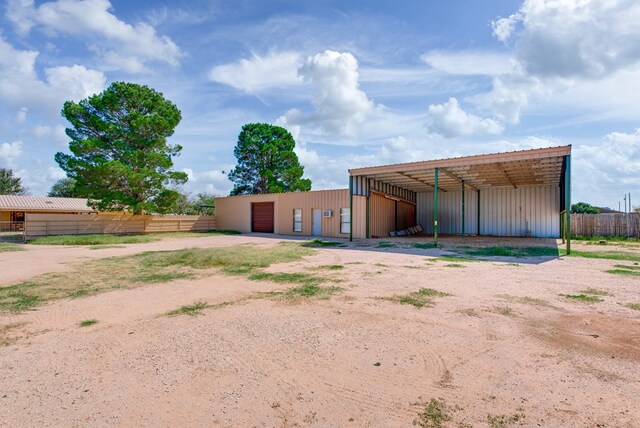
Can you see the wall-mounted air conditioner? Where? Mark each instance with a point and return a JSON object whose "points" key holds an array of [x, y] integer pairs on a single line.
{"points": [[327, 213]]}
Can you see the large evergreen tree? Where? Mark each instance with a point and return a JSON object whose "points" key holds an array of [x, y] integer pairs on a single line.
{"points": [[10, 184], [120, 157], [266, 162]]}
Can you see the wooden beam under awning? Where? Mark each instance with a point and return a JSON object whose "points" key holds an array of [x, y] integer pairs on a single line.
{"points": [[420, 181], [458, 179]]}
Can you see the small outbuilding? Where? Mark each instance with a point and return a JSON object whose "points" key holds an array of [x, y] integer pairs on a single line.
{"points": [[520, 194], [13, 208]]}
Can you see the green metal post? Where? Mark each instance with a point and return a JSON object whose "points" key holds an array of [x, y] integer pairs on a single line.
{"points": [[435, 207], [567, 205], [462, 209], [350, 208]]}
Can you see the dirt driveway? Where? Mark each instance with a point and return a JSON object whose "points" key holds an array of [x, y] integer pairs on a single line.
{"points": [[495, 344]]}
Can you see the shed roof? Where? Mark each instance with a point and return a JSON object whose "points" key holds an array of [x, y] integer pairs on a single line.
{"points": [[509, 169], [43, 203]]}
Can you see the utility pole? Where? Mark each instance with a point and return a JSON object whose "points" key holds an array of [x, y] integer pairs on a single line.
{"points": [[625, 203]]}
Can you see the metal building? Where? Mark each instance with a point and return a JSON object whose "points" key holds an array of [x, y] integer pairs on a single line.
{"points": [[523, 193]]}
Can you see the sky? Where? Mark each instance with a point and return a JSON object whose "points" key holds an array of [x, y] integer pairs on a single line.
{"points": [[358, 83]]}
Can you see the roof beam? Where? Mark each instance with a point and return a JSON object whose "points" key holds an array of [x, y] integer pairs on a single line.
{"points": [[500, 168], [458, 179], [420, 181]]}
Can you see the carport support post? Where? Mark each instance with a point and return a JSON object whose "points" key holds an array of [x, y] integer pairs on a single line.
{"points": [[435, 207], [462, 209], [567, 204], [350, 208]]}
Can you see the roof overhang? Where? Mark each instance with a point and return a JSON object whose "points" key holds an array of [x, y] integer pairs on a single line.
{"points": [[537, 167]]}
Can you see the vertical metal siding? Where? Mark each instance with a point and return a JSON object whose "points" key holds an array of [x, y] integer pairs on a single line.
{"points": [[382, 215], [511, 212], [450, 211], [503, 211]]}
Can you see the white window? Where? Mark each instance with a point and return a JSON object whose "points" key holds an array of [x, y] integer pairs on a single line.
{"points": [[345, 220], [297, 220]]}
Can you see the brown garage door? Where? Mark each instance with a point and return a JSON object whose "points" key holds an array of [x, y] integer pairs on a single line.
{"points": [[262, 217]]}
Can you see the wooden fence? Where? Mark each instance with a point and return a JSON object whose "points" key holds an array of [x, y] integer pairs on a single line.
{"points": [[626, 225], [36, 225]]}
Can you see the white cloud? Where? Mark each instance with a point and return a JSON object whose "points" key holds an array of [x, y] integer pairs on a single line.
{"points": [[605, 170], [470, 62], [449, 120], [20, 84], [340, 106], [259, 73], [574, 38], [121, 46], [9, 153], [567, 52]]}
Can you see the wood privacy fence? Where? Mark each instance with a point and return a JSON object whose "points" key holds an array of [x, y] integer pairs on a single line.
{"points": [[626, 225], [36, 225]]}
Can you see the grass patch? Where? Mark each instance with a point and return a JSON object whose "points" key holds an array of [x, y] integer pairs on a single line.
{"points": [[433, 415], [104, 247], [503, 310], [100, 239], [287, 278], [306, 291], [111, 273], [454, 259], [6, 338], [525, 300], [582, 298], [634, 306], [87, 323], [629, 270], [328, 267], [607, 255], [503, 421], [424, 245], [454, 265], [596, 292], [319, 243], [192, 310], [385, 244], [420, 299], [6, 247], [511, 251]]}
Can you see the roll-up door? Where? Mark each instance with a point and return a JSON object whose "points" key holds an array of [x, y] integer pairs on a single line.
{"points": [[262, 217]]}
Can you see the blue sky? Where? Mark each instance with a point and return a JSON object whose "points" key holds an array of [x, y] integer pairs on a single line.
{"points": [[357, 83]]}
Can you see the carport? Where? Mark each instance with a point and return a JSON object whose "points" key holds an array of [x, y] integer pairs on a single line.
{"points": [[524, 194]]}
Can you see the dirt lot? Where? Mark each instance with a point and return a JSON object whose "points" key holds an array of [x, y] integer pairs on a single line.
{"points": [[503, 348]]}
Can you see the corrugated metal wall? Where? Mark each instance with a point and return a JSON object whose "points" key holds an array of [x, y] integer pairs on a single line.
{"points": [[503, 211], [449, 211], [383, 215], [406, 215], [234, 212]]}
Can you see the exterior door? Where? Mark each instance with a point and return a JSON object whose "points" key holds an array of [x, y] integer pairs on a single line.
{"points": [[317, 222], [262, 217]]}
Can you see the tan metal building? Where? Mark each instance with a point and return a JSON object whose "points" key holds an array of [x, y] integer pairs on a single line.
{"points": [[315, 213], [523, 193]]}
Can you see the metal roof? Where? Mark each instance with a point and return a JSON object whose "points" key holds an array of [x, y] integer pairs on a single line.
{"points": [[43, 203], [509, 169]]}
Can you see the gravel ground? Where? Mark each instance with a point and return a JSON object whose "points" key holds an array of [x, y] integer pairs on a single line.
{"points": [[504, 347]]}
